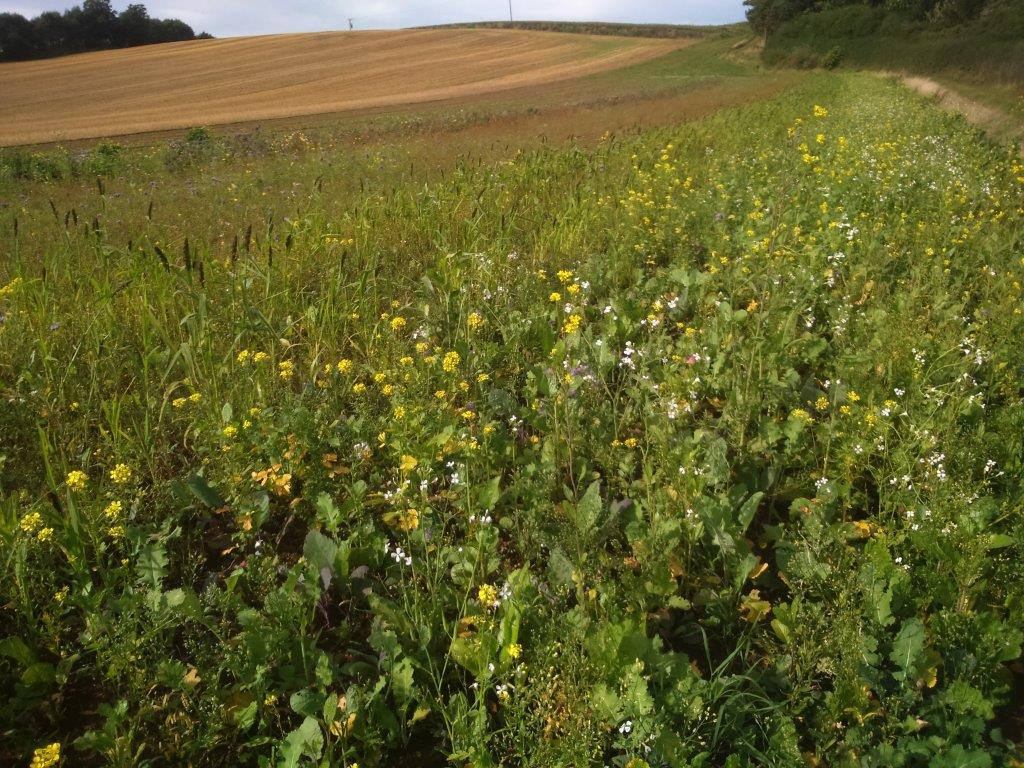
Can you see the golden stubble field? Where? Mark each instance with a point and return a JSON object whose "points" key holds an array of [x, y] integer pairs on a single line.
{"points": [[209, 82]]}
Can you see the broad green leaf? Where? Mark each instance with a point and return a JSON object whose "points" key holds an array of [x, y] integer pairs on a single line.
{"points": [[908, 648], [402, 681], [305, 741], [152, 564], [204, 492], [320, 552]]}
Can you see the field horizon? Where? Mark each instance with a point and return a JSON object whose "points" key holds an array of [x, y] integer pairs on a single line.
{"points": [[178, 85]]}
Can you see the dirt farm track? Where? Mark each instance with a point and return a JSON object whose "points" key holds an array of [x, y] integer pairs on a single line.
{"points": [[209, 82]]}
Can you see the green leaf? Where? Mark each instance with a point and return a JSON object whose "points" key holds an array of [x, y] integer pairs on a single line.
{"points": [[226, 413], [958, 757], [202, 491], [15, 648], [748, 510], [588, 510], [320, 552], [327, 512], [307, 702], [152, 564], [907, 648], [998, 541], [490, 493], [560, 567], [402, 681], [40, 673], [305, 741]]}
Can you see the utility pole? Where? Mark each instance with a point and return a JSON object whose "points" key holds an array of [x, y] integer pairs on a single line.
{"points": [[510, 11], [350, 21]]}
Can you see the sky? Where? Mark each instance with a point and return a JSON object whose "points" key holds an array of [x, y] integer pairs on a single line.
{"points": [[227, 18]]}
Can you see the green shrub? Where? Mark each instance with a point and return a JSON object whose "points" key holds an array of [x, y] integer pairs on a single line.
{"points": [[35, 166]]}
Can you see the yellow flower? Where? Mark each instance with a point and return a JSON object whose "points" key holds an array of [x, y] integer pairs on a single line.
{"points": [[468, 415], [572, 324], [515, 650], [61, 594], [488, 596], [260, 357], [77, 480], [9, 288], [195, 397], [407, 463], [482, 378], [113, 510], [358, 387], [821, 403], [820, 111], [801, 414], [440, 394], [852, 396], [397, 323], [573, 289], [631, 442], [451, 361], [30, 521], [564, 276], [475, 320], [752, 306], [46, 757], [555, 296], [398, 412], [409, 520], [115, 531], [387, 390], [406, 360], [229, 431], [45, 534], [121, 474], [344, 365], [179, 402], [243, 356], [286, 369]]}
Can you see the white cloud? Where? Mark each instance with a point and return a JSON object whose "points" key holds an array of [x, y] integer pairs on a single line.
{"points": [[226, 18]]}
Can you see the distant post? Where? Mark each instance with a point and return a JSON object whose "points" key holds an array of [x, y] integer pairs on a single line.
{"points": [[510, 11]]}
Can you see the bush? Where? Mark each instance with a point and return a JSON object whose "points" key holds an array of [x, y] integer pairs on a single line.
{"points": [[106, 159], [33, 166], [198, 146], [832, 58]]}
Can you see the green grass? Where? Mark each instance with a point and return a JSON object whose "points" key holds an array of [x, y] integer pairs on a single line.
{"points": [[702, 446]]}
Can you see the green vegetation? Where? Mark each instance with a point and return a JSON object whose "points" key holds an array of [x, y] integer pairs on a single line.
{"points": [[700, 446], [986, 48], [603, 28]]}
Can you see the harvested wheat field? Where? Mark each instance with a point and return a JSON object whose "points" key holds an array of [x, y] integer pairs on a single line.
{"points": [[209, 82]]}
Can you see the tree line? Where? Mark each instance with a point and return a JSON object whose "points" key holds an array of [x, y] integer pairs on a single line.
{"points": [[766, 15], [93, 26]]}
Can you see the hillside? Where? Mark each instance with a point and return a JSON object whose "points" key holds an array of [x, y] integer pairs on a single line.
{"points": [[253, 78]]}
